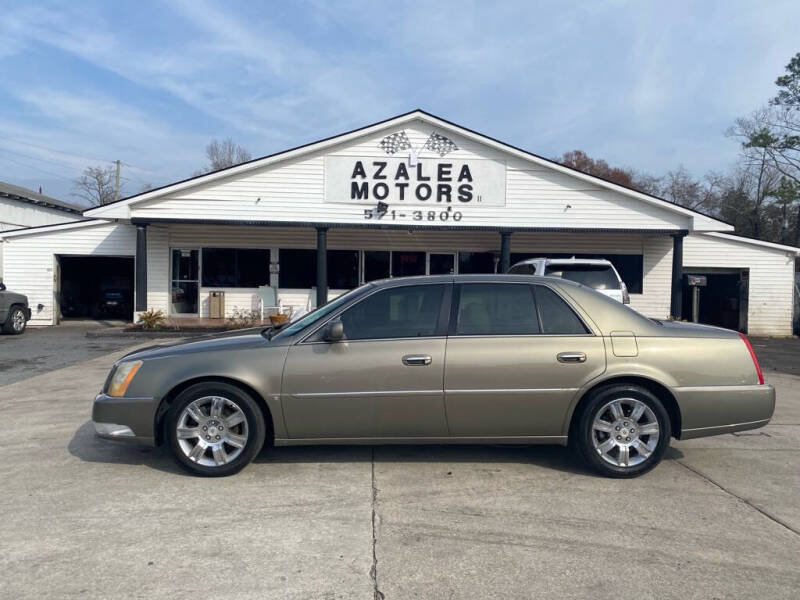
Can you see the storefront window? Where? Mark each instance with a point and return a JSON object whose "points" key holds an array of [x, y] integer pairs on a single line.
{"points": [[470, 263], [235, 267], [342, 269], [377, 265], [406, 264], [298, 268]]}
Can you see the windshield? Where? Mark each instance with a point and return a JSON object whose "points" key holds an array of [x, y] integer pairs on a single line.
{"points": [[319, 313], [523, 269], [598, 277]]}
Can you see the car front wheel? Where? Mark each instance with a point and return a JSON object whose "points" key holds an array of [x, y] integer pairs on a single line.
{"points": [[215, 429], [15, 322], [623, 431]]}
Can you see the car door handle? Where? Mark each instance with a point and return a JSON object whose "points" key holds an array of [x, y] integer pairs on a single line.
{"points": [[417, 360], [571, 357]]}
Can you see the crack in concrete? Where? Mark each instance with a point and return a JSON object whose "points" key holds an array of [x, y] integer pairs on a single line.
{"points": [[745, 501], [373, 572]]}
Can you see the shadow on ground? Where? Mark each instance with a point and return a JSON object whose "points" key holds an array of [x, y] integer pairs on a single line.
{"points": [[86, 446]]}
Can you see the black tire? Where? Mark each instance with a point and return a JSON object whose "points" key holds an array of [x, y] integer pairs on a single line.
{"points": [[253, 422], [12, 325], [585, 434]]}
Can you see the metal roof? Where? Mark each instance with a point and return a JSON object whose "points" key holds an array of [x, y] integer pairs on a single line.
{"points": [[15, 192]]}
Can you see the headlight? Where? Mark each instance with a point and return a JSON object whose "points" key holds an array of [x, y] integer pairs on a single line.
{"points": [[123, 375]]}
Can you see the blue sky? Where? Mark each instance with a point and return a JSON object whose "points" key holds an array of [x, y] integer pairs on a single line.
{"points": [[647, 85]]}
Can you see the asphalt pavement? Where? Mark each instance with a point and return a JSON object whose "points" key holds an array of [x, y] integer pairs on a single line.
{"points": [[86, 518]]}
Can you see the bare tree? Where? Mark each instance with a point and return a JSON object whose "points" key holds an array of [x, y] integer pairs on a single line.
{"points": [[95, 185], [224, 154], [680, 186]]}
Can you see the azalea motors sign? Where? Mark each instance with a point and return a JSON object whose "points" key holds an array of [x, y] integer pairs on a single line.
{"points": [[429, 182]]}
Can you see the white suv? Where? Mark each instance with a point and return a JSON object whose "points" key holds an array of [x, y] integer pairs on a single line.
{"points": [[596, 273]]}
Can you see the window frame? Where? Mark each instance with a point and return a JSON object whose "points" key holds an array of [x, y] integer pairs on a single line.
{"points": [[442, 320], [456, 298]]}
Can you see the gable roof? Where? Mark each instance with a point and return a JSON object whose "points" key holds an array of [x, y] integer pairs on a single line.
{"points": [[752, 241], [16, 192], [418, 114]]}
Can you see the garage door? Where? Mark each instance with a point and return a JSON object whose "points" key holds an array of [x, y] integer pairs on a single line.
{"points": [[96, 287]]}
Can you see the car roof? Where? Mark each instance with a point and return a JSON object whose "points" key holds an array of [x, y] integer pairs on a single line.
{"points": [[565, 261], [477, 278]]}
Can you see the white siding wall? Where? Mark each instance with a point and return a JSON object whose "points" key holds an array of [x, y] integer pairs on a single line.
{"points": [[15, 214], [30, 259], [293, 190], [771, 275], [657, 250]]}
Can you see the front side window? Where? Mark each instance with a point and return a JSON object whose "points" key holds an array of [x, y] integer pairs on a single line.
{"points": [[556, 316], [598, 277], [400, 312], [496, 309]]}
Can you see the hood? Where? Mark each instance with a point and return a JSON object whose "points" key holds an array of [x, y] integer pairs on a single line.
{"points": [[14, 297], [240, 338]]}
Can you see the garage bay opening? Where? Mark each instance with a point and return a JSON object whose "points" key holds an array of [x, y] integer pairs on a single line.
{"points": [[95, 287]]}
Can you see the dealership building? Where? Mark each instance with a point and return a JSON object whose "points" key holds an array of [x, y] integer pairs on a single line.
{"points": [[411, 195]]}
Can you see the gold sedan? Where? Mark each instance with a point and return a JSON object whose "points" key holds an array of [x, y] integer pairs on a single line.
{"points": [[448, 359]]}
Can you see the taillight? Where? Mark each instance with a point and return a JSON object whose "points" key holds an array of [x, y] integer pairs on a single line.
{"points": [[753, 356]]}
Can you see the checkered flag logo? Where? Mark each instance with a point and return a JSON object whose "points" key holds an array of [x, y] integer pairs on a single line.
{"points": [[439, 144], [395, 143]]}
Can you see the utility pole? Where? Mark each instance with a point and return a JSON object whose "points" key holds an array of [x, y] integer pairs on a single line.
{"points": [[116, 182]]}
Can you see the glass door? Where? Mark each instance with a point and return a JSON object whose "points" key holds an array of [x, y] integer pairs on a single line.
{"points": [[185, 281], [442, 264]]}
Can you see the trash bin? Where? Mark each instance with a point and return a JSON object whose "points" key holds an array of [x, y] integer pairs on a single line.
{"points": [[216, 305]]}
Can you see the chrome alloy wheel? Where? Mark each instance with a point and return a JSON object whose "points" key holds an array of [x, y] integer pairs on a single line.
{"points": [[18, 321], [625, 432], [212, 431]]}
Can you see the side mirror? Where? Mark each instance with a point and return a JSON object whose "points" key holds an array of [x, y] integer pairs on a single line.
{"points": [[334, 331], [2, 287], [626, 297]]}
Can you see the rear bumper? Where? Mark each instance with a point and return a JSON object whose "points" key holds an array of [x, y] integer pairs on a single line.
{"points": [[125, 419], [712, 410], [28, 314]]}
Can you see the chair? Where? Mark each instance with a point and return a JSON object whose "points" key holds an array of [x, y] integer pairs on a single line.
{"points": [[269, 299]]}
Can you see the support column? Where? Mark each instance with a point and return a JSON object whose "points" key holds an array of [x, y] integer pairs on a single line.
{"points": [[141, 267], [322, 265], [676, 301], [505, 251]]}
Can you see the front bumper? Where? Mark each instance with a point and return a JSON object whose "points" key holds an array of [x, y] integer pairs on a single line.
{"points": [[28, 314], [712, 410], [125, 419]]}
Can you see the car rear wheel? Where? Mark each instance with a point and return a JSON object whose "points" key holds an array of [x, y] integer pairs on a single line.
{"points": [[15, 322], [623, 431], [215, 429]]}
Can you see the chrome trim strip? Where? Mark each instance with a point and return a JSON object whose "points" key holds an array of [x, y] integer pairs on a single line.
{"points": [[365, 394], [758, 423], [755, 387], [534, 439], [512, 391]]}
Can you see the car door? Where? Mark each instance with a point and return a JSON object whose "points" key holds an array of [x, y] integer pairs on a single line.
{"points": [[383, 379], [516, 355]]}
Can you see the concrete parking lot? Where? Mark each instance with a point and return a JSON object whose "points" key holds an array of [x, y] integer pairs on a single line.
{"points": [[85, 518]]}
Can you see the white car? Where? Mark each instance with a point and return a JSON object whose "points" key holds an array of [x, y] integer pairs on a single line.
{"points": [[596, 273]]}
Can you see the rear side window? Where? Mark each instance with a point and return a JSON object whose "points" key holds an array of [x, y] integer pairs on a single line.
{"points": [[496, 309], [556, 315], [523, 269], [598, 277], [400, 312]]}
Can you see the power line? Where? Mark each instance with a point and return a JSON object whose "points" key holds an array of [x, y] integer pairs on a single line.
{"points": [[38, 169], [58, 164], [71, 154]]}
